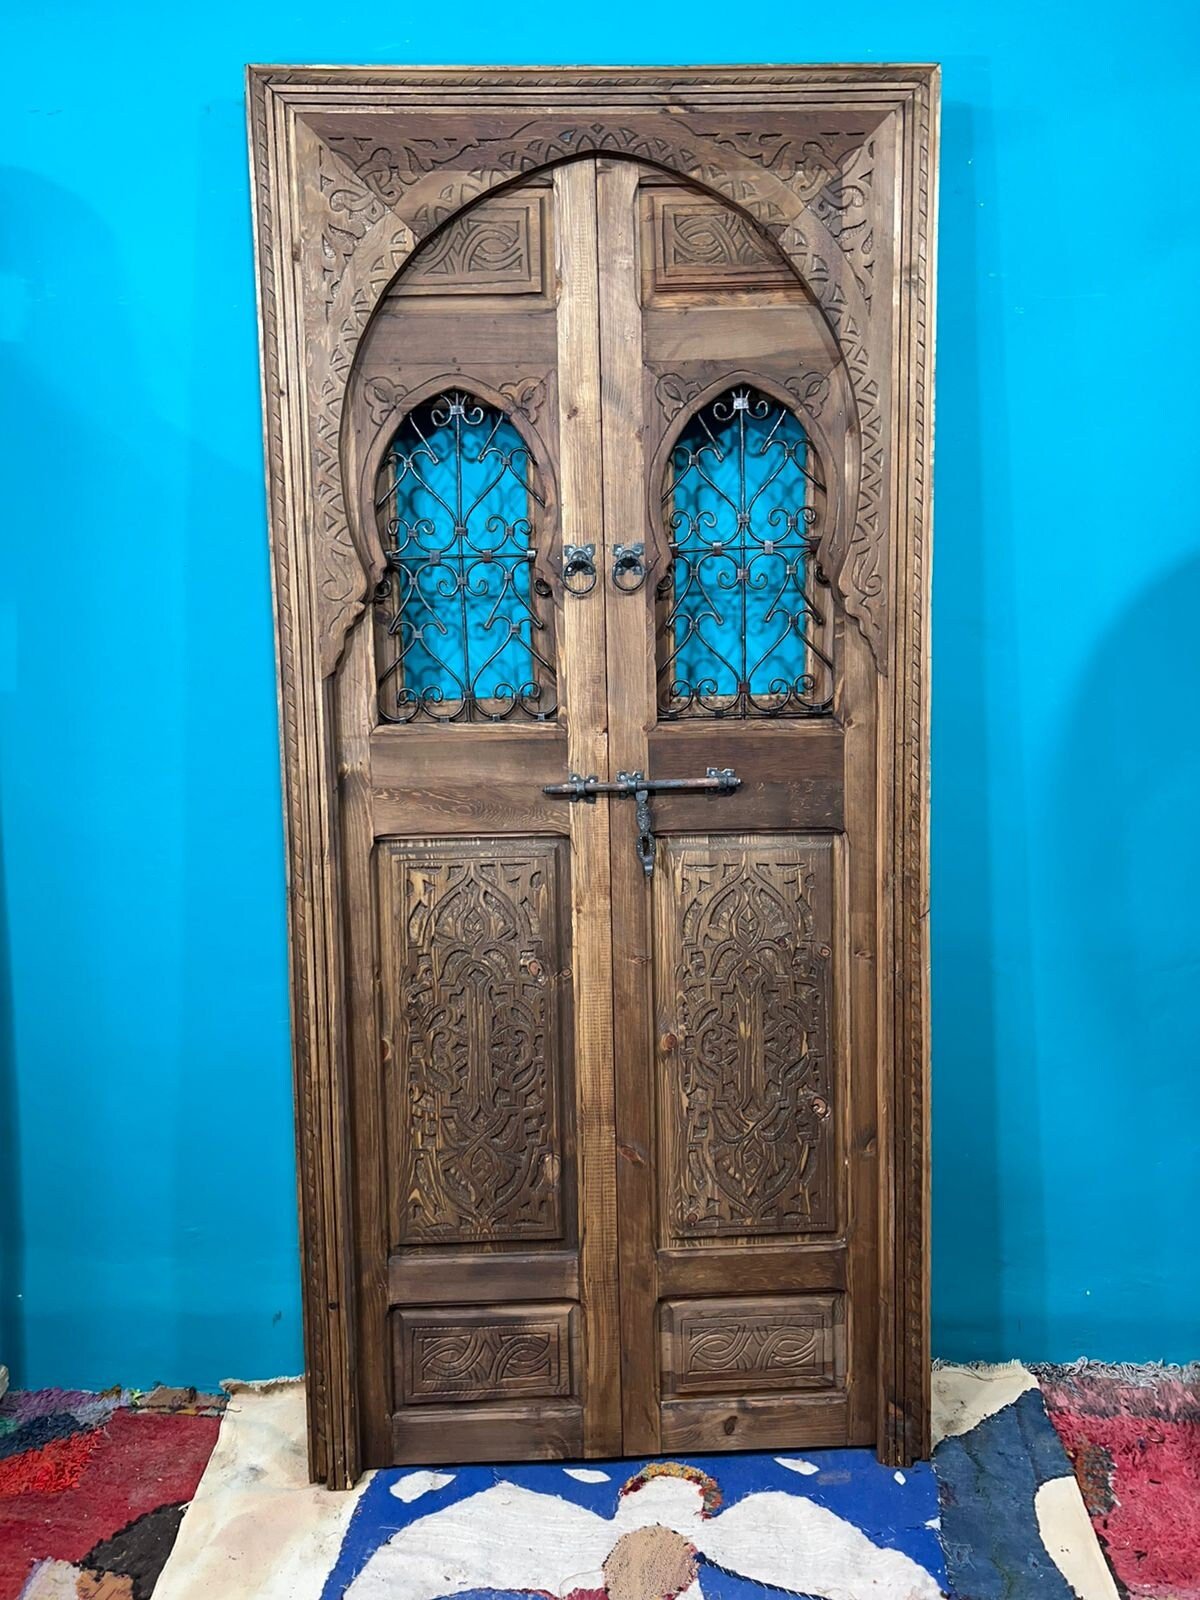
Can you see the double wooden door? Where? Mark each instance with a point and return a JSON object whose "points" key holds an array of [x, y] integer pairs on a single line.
{"points": [[598, 426], [607, 758]]}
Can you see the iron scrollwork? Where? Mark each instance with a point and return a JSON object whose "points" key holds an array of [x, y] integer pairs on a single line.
{"points": [[463, 635], [741, 632]]}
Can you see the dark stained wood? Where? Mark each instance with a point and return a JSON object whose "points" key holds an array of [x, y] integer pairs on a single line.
{"points": [[752, 1345], [754, 1422], [534, 1430], [459, 1278], [722, 1268], [465, 1354], [419, 229]]}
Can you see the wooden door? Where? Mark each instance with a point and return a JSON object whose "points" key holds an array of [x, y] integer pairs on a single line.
{"points": [[479, 937], [746, 1040], [596, 446]]}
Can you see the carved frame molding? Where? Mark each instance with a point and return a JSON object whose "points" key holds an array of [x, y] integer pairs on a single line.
{"points": [[381, 158]]}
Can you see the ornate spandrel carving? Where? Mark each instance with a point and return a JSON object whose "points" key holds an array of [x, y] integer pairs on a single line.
{"points": [[747, 1076], [751, 1346], [476, 1039], [492, 1354]]}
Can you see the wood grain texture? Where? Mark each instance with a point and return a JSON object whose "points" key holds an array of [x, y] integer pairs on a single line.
{"points": [[584, 692], [352, 169]]}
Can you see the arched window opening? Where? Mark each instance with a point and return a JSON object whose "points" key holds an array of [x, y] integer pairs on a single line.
{"points": [[743, 622], [462, 628]]}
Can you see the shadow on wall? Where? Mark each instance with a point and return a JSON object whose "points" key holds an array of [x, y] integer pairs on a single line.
{"points": [[148, 891], [984, 1231], [12, 1331], [1124, 844]]}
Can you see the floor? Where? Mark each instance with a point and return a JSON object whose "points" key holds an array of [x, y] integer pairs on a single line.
{"points": [[179, 1496]]}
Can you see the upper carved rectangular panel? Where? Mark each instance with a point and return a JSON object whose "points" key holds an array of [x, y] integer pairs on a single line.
{"points": [[494, 248], [692, 241], [474, 964]]}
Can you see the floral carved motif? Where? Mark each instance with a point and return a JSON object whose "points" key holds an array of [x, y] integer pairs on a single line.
{"points": [[749, 1070]]}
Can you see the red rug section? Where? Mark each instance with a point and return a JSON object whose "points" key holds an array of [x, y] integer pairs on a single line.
{"points": [[1135, 1447], [68, 1495]]}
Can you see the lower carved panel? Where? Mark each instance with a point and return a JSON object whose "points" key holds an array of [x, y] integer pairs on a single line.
{"points": [[484, 1353], [740, 1346], [747, 1081]]}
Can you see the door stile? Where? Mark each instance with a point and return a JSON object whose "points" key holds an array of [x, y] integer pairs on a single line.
{"points": [[631, 692], [581, 668], [858, 1033]]}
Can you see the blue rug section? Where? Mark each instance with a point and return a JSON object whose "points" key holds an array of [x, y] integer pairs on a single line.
{"points": [[894, 1510], [987, 1480]]}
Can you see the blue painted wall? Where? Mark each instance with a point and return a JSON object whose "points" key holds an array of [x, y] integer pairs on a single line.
{"points": [[146, 1169]]}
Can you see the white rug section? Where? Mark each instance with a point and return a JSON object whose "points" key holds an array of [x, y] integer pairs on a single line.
{"points": [[257, 1527], [964, 1396], [509, 1537], [1070, 1540]]}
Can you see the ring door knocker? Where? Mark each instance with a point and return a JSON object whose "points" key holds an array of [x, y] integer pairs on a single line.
{"points": [[629, 568], [636, 786], [579, 569]]}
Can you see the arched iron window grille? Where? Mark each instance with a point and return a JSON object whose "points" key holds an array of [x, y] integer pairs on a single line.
{"points": [[743, 614], [464, 633]]}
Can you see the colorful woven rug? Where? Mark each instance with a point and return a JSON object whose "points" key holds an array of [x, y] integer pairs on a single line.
{"points": [[1133, 1436], [93, 1488]]}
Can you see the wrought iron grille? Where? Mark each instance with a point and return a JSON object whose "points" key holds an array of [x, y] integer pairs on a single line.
{"points": [[741, 632], [462, 631]]}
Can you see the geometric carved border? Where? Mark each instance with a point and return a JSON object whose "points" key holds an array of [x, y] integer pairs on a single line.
{"points": [[797, 148], [463, 1355], [779, 1342]]}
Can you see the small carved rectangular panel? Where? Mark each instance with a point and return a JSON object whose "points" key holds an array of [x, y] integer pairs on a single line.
{"points": [[485, 1353], [494, 248], [740, 1346], [695, 242], [476, 1020], [747, 1099]]}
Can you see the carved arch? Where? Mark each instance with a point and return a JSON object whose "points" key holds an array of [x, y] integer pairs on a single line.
{"points": [[407, 186]]}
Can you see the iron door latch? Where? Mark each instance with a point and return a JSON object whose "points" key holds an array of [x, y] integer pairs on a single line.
{"points": [[636, 786]]}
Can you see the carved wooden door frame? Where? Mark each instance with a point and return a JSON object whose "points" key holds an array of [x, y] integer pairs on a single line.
{"points": [[352, 168]]}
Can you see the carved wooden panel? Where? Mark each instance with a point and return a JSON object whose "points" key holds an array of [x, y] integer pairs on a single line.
{"points": [[489, 1353], [746, 1041], [742, 1346], [695, 242], [495, 248], [473, 969]]}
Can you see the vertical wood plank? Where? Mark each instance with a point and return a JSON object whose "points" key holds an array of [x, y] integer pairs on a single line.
{"points": [[631, 690], [584, 708]]}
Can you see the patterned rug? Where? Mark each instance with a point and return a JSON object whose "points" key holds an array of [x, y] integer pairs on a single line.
{"points": [[1133, 1437], [93, 1488]]}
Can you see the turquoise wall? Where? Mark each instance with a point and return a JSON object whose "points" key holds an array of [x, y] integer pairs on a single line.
{"points": [[146, 1168]]}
